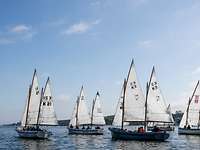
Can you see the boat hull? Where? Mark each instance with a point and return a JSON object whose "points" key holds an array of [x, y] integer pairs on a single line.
{"points": [[163, 128], [85, 131], [36, 134], [188, 131], [133, 135]]}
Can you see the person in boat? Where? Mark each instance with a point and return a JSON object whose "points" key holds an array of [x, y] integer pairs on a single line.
{"points": [[77, 127], [97, 127], [88, 127], [141, 130], [156, 129], [71, 126], [188, 127], [83, 127]]}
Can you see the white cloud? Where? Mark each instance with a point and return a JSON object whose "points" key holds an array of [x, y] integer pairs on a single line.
{"points": [[145, 44], [16, 33], [81, 27], [20, 28]]}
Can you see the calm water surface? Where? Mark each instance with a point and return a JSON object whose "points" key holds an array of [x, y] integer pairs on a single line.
{"points": [[61, 140]]}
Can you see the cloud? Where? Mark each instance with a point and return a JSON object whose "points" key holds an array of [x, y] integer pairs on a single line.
{"points": [[81, 27], [145, 44], [20, 28], [16, 33]]}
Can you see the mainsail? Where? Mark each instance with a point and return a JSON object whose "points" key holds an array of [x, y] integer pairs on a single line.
{"points": [[97, 117], [47, 114], [192, 114], [156, 108], [80, 115], [134, 98], [30, 116]]}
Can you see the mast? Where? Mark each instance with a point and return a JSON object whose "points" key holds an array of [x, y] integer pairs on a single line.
{"points": [[199, 120], [39, 108], [94, 101], [145, 114], [29, 96], [122, 123], [77, 104], [190, 99]]}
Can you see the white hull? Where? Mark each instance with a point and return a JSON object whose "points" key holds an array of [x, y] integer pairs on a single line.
{"points": [[189, 131], [34, 134]]}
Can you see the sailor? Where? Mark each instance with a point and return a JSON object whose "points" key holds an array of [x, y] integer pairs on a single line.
{"points": [[83, 127], [188, 127], [71, 126], [77, 127], [155, 129], [141, 130]]}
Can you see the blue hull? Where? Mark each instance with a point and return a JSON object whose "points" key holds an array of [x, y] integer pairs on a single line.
{"points": [[85, 131], [40, 134], [133, 135]]}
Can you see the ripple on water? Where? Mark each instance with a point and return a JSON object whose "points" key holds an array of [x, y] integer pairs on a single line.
{"points": [[61, 140]]}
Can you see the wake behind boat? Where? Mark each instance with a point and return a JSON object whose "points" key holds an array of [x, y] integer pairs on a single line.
{"points": [[38, 111], [136, 109], [83, 124], [190, 122]]}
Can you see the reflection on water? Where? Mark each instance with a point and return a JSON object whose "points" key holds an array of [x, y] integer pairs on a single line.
{"points": [[61, 140]]}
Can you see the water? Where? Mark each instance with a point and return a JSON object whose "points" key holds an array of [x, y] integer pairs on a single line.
{"points": [[61, 140]]}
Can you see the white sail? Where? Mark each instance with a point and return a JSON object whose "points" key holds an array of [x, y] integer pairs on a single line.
{"points": [[73, 116], [169, 111], [134, 98], [157, 109], [183, 120], [81, 114], [33, 104], [117, 121], [194, 108], [47, 114], [23, 120], [97, 114]]}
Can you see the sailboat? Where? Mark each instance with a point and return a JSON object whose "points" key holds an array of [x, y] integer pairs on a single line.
{"points": [[159, 114], [190, 122], [97, 117], [81, 118], [134, 109], [38, 111]]}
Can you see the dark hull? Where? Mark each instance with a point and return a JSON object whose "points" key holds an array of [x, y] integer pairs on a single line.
{"points": [[85, 131], [163, 128], [133, 135], [37, 134], [188, 131]]}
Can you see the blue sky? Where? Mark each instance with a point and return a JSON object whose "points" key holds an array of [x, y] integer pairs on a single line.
{"points": [[91, 43]]}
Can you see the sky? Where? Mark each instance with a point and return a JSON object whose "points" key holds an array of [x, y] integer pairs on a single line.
{"points": [[91, 43]]}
